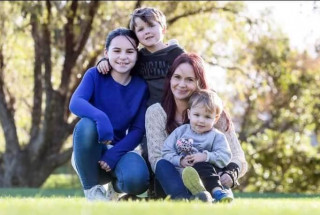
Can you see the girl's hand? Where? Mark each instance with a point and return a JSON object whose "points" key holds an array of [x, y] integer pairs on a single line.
{"points": [[198, 157], [186, 161], [103, 67], [104, 166]]}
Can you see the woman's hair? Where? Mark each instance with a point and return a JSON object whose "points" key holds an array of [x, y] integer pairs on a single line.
{"points": [[168, 103], [208, 99], [122, 32]]}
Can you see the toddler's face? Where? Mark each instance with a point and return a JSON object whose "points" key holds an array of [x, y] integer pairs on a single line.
{"points": [[201, 120]]}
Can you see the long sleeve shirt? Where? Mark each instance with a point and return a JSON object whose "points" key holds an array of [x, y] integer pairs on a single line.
{"points": [[117, 110], [156, 119], [213, 143]]}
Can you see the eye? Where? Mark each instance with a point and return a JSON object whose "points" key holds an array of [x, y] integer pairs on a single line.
{"points": [[177, 77], [196, 114], [131, 51], [190, 80], [139, 29]]}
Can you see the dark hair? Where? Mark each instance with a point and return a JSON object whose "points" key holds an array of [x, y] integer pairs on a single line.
{"points": [[168, 103], [122, 32], [147, 14]]}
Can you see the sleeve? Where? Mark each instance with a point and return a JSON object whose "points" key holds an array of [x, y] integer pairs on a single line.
{"points": [[169, 151], [155, 132], [133, 137], [238, 156], [80, 105], [220, 155]]}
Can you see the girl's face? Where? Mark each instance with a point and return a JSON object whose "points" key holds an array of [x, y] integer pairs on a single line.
{"points": [[149, 35], [122, 54], [183, 82]]}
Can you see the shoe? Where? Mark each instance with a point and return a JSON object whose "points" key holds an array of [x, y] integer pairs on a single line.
{"points": [[192, 181], [129, 197], [96, 193], [203, 196], [222, 196], [111, 194]]}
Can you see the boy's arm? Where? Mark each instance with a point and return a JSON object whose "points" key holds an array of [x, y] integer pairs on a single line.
{"points": [[220, 155], [169, 151], [103, 66]]}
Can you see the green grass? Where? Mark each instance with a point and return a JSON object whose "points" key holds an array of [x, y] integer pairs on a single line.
{"points": [[77, 205]]}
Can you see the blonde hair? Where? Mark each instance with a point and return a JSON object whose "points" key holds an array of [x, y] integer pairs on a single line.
{"points": [[147, 14], [209, 99]]}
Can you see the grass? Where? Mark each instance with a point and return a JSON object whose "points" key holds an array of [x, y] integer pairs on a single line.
{"points": [[77, 205]]}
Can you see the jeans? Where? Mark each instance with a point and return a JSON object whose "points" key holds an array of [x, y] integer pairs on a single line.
{"points": [[171, 180], [130, 174]]}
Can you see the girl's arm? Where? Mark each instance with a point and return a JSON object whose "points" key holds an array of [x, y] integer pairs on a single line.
{"points": [[80, 106]]}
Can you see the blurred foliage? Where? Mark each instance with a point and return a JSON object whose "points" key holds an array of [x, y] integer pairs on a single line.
{"points": [[271, 91]]}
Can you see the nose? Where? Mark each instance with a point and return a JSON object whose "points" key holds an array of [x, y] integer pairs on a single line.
{"points": [[123, 55], [182, 83]]}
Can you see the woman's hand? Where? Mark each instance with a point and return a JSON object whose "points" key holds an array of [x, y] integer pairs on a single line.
{"points": [[104, 166], [226, 180], [103, 67]]}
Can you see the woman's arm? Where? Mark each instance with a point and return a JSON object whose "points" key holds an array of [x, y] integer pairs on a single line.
{"points": [[238, 164], [156, 133]]}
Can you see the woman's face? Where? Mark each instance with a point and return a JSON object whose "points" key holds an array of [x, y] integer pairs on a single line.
{"points": [[122, 54], [183, 82]]}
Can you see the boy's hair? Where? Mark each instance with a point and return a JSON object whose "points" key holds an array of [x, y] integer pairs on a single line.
{"points": [[209, 99], [147, 14], [122, 32]]}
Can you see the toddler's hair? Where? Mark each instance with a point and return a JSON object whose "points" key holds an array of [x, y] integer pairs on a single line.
{"points": [[147, 14], [209, 99]]}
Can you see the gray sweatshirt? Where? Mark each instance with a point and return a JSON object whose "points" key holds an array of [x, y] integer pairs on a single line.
{"points": [[213, 143]]}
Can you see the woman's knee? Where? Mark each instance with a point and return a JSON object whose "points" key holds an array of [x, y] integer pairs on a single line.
{"points": [[132, 174]]}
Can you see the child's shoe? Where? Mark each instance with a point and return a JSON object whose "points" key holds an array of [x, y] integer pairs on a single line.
{"points": [[222, 196], [192, 180], [203, 196]]}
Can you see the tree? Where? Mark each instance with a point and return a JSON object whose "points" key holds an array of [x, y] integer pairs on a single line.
{"points": [[67, 37]]}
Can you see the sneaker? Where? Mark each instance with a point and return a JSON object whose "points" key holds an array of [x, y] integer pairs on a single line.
{"points": [[96, 193], [111, 194], [192, 181], [203, 196], [222, 196]]}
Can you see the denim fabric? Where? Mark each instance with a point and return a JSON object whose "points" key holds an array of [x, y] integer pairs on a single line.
{"points": [[130, 174], [170, 180]]}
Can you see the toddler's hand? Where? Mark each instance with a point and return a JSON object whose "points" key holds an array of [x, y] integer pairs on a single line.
{"points": [[186, 161], [198, 157], [104, 166]]}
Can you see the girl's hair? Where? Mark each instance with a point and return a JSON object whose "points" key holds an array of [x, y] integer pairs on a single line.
{"points": [[122, 32], [207, 98], [147, 14], [168, 103]]}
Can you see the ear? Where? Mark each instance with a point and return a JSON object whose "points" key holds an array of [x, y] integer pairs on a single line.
{"points": [[188, 111], [164, 30], [216, 118], [105, 53]]}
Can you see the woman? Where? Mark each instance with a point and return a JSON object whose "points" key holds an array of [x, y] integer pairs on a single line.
{"points": [[185, 76], [112, 111]]}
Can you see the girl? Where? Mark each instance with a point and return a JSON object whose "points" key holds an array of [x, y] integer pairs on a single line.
{"points": [[112, 111]]}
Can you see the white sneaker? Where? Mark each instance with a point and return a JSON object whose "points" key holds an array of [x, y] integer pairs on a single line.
{"points": [[96, 193], [112, 195]]}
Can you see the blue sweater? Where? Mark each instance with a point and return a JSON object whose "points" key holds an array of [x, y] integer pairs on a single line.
{"points": [[114, 108]]}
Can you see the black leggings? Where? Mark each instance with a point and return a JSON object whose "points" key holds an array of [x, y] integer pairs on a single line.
{"points": [[209, 175]]}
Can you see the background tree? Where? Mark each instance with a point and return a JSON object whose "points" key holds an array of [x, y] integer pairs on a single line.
{"points": [[42, 59]]}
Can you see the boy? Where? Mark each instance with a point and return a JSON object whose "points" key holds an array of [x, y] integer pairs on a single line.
{"points": [[155, 58], [199, 148]]}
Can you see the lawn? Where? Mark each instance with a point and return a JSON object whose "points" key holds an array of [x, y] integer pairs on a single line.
{"points": [[71, 201]]}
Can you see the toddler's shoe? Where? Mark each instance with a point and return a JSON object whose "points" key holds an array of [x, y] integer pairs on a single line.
{"points": [[222, 196], [203, 196], [192, 180]]}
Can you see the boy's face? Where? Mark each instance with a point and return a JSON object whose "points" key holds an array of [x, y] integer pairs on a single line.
{"points": [[201, 120], [149, 35]]}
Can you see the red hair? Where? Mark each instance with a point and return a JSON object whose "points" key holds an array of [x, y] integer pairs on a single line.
{"points": [[168, 103]]}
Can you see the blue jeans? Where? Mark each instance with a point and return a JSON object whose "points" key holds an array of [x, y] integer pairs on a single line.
{"points": [[171, 180], [130, 174]]}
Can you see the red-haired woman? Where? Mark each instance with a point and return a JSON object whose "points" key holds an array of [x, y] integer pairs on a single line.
{"points": [[185, 76]]}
